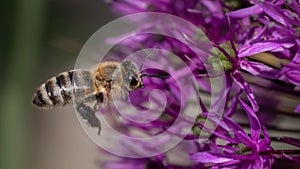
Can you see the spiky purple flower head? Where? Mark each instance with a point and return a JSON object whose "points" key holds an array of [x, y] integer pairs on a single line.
{"points": [[258, 48]]}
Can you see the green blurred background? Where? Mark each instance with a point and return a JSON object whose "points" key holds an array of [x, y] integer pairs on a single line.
{"points": [[39, 39]]}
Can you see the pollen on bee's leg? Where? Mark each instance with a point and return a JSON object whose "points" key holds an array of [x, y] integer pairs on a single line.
{"points": [[89, 114]]}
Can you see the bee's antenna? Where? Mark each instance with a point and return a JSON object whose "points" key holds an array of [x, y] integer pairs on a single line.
{"points": [[157, 76], [153, 52]]}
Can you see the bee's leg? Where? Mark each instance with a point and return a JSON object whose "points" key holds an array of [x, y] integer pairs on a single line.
{"points": [[100, 100], [89, 114]]}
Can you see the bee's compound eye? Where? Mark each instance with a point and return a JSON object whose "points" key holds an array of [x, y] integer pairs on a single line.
{"points": [[133, 81]]}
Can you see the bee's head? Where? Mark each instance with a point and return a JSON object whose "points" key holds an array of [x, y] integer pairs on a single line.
{"points": [[131, 75]]}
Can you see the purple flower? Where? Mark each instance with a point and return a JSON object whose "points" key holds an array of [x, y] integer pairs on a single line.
{"points": [[276, 33], [238, 149], [257, 44]]}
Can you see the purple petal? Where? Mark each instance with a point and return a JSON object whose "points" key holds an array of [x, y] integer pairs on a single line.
{"points": [[214, 7], [292, 73], [239, 133], [234, 104], [296, 59], [279, 2], [292, 158], [128, 7], [291, 141], [259, 69], [245, 86], [254, 121], [125, 164], [205, 157], [258, 164], [266, 142], [293, 77], [268, 161], [245, 12], [259, 36], [271, 46], [297, 110], [276, 13], [295, 5]]}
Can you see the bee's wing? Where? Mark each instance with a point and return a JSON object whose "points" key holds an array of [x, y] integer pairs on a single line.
{"points": [[84, 98], [113, 93], [90, 100]]}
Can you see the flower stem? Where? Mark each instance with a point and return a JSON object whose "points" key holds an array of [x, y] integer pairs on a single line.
{"points": [[271, 60]]}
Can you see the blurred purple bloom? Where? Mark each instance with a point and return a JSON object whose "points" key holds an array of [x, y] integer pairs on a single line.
{"points": [[298, 109]]}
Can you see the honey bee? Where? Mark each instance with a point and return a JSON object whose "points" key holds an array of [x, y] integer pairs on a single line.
{"points": [[92, 89]]}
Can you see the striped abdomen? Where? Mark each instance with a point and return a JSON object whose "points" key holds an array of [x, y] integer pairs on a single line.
{"points": [[59, 90]]}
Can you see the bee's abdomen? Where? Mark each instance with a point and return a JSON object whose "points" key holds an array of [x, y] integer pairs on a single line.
{"points": [[58, 90]]}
